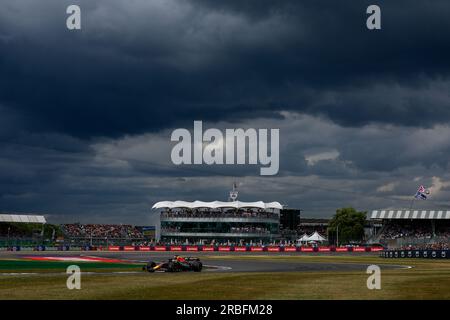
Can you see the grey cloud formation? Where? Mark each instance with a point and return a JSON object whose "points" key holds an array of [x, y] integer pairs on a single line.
{"points": [[118, 179]]}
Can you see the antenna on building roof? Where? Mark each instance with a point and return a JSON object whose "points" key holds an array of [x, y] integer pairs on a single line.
{"points": [[233, 193]]}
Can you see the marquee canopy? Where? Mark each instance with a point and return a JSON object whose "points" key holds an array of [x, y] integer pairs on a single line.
{"points": [[410, 214], [316, 237], [22, 218], [217, 204], [304, 237]]}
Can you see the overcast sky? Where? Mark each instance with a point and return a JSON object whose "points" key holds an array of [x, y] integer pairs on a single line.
{"points": [[86, 116]]}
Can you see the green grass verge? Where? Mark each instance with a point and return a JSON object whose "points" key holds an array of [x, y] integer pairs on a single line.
{"points": [[8, 266], [428, 279]]}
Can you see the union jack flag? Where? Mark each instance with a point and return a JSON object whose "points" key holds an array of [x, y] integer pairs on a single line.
{"points": [[420, 194]]}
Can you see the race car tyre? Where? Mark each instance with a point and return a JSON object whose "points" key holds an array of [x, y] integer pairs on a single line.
{"points": [[197, 266]]}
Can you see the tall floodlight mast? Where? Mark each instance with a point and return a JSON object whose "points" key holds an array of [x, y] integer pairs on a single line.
{"points": [[233, 193]]}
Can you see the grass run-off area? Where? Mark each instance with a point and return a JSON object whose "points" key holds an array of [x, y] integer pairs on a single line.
{"points": [[29, 266], [427, 279]]}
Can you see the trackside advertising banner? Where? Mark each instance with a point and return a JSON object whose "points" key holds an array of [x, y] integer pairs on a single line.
{"points": [[193, 248], [226, 249], [427, 254]]}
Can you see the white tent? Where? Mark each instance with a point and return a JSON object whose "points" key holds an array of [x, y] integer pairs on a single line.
{"points": [[303, 238], [316, 237]]}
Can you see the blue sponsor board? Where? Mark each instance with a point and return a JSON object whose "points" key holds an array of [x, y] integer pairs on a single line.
{"points": [[424, 254], [148, 231]]}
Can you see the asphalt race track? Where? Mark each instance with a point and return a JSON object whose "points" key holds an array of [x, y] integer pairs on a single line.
{"points": [[230, 262]]}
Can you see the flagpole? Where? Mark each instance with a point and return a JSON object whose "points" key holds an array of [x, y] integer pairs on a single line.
{"points": [[412, 203]]}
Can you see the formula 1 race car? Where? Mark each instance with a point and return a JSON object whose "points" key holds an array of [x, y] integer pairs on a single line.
{"points": [[176, 264]]}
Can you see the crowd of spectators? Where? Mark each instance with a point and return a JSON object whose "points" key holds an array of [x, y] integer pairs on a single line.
{"points": [[77, 230], [428, 246], [301, 230], [218, 213], [147, 243], [417, 235], [396, 231], [443, 230], [240, 229], [170, 229], [249, 229]]}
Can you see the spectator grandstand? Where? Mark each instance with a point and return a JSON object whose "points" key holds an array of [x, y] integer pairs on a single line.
{"points": [[311, 229], [412, 228], [101, 230], [305, 226], [217, 221], [26, 230], [404, 229], [254, 226], [218, 213], [101, 234], [429, 246]]}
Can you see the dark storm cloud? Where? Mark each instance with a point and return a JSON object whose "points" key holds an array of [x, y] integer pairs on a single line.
{"points": [[156, 64]]}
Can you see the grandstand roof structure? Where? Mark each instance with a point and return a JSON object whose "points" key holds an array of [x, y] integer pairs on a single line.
{"points": [[217, 204], [22, 218], [410, 214]]}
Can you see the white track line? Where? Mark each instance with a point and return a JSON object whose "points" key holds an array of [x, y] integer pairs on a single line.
{"points": [[217, 268]]}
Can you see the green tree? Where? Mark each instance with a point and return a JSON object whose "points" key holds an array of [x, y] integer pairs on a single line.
{"points": [[350, 224]]}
